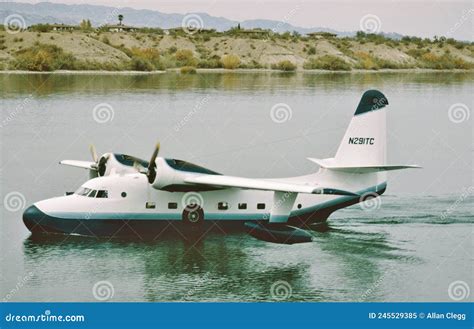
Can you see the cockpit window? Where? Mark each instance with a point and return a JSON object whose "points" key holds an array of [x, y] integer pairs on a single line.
{"points": [[102, 194], [83, 191]]}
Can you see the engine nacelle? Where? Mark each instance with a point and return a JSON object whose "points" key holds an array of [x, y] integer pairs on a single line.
{"points": [[115, 163], [171, 175], [168, 178]]}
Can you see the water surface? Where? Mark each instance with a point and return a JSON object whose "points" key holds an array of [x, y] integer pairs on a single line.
{"points": [[415, 242]]}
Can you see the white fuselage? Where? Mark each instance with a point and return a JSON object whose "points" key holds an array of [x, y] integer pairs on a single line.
{"points": [[131, 197]]}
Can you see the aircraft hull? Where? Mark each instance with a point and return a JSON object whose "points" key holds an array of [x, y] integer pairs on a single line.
{"points": [[38, 221]]}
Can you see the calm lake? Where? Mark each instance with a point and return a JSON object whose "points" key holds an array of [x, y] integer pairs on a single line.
{"points": [[412, 246]]}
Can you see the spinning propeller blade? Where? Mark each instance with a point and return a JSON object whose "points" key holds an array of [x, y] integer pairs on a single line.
{"points": [[93, 153], [151, 172]]}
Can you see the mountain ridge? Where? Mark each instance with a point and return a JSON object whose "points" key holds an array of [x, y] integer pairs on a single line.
{"points": [[46, 12]]}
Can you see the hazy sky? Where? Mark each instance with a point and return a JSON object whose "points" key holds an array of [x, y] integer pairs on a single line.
{"points": [[422, 18]]}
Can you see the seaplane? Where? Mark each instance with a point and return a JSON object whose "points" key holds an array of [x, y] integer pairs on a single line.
{"points": [[129, 196]]}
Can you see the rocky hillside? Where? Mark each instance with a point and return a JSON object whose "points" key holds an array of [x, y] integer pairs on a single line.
{"points": [[156, 50]]}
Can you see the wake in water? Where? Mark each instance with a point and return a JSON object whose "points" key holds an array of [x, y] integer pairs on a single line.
{"points": [[445, 209]]}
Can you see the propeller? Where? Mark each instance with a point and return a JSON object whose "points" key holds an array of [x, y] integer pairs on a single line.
{"points": [[93, 153], [100, 163], [151, 172]]}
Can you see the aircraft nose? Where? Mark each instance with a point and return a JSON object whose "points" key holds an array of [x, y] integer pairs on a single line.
{"points": [[32, 216]]}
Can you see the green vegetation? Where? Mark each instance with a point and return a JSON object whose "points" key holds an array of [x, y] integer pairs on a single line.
{"points": [[188, 70], [230, 62], [41, 28], [285, 65], [443, 62], [145, 59], [367, 61], [42, 57], [86, 25], [149, 49], [185, 57], [327, 62], [429, 60], [213, 62]]}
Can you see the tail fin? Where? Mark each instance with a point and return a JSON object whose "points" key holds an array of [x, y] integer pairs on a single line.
{"points": [[365, 141], [364, 146]]}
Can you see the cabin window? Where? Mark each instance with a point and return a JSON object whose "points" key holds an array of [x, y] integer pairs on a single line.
{"points": [[102, 194], [260, 205], [222, 206], [92, 194], [172, 205], [242, 206], [124, 194], [150, 205]]}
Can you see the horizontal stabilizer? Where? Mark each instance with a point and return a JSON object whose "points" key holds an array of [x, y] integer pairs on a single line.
{"points": [[330, 164]]}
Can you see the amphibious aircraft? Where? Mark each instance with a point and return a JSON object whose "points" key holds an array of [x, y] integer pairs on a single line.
{"points": [[130, 196]]}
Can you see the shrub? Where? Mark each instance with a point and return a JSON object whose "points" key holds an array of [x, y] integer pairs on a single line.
{"points": [[366, 61], [150, 55], [43, 57], [188, 70], [41, 28], [369, 62], [327, 62], [251, 65], [210, 63], [312, 51], [230, 61], [285, 65], [185, 57], [443, 62], [140, 64]]}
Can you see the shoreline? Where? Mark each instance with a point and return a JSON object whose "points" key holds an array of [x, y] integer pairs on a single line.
{"points": [[220, 70]]}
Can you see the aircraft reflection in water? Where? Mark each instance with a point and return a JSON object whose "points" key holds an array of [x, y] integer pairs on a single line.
{"points": [[233, 268]]}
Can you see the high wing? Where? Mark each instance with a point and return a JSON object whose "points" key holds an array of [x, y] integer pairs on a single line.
{"points": [[80, 164], [262, 184]]}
